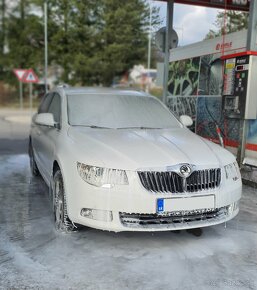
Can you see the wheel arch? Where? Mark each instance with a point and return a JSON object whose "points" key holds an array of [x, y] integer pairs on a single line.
{"points": [[55, 167]]}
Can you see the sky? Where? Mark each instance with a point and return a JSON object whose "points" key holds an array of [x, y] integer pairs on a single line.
{"points": [[192, 23]]}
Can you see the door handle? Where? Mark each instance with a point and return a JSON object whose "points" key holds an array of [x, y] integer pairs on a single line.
{"points": [[38, 132]]}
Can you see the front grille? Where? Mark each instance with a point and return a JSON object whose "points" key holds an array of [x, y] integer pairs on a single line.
{"points": [[176, 217], [199, 180]]}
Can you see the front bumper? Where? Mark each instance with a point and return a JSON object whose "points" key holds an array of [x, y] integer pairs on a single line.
{"points": [[169, 221], [133, 208], [179, 219]]}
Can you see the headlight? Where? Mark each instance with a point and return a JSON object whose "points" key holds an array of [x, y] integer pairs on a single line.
{"points": [[102, 177], [232, 171]]}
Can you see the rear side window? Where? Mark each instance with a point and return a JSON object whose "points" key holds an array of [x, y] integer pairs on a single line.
{"points": [[55, 108], [43, 108]]}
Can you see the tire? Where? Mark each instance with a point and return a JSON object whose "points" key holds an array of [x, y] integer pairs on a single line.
{"points": [[62, 222], [33, 166]]}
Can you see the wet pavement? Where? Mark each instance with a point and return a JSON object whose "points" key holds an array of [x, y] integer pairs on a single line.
{"points": [[34, 256], [14, 131]]}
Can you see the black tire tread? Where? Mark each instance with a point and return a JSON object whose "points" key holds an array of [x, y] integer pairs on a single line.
{"points": [[67, 225]]}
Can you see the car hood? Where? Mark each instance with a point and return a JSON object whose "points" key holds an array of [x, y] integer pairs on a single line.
{"points": [[134, 149]]}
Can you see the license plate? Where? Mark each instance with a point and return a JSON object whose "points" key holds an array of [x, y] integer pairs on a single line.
{"points": [[185, 203]]}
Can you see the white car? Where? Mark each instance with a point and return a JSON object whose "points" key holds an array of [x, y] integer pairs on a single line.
{"points": [[119, 160]]}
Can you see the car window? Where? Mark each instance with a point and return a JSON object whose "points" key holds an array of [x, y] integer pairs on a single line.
{"points": [[55, 108], [43, 108]]}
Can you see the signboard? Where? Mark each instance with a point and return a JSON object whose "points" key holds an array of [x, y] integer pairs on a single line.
{"points": [[229, 75], [240, 5], [26, 76], [30, 77], [160, 39], [20, 73]]}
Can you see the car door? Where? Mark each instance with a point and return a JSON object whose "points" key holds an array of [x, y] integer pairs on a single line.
{"points": [[36, 131], [50, 135]]}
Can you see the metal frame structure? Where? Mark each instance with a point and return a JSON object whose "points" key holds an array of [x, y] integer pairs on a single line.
{"points": [[239, 5], [46, 44], [251, 46], [169, 27]]}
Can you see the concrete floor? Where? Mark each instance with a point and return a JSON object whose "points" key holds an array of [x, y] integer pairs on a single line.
{"points": [[34, 256]]}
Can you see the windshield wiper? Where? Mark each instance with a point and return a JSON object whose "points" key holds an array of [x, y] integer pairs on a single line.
{"points": [[92, 126], [141, 128], [98, 127]]}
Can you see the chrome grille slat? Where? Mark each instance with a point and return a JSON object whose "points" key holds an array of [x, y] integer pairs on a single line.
{"points": [[204, 180], [152, 181], [165, 179], [174, 184], [171, 182]]}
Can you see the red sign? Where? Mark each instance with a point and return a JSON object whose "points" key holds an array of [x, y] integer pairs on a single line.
{"points": [[20, 73], [224, 46], [30, 77], [240, 5]]}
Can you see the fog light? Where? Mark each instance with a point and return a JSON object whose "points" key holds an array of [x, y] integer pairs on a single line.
{"points": [[236, 205], [233, 207], [97, 214]]}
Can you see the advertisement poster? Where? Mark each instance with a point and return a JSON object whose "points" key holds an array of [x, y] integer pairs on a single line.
{"points": [[195, 87]]}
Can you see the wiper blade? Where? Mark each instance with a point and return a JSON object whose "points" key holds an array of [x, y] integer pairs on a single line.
{"points": [[92, 126], [98, 127], [141, 128]]}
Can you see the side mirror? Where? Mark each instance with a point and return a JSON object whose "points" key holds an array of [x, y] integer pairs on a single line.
{"points": [[186, 120], [45, 119]]}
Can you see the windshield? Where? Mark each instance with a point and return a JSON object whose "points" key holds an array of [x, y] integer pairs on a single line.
{"points": [[119, 112]]}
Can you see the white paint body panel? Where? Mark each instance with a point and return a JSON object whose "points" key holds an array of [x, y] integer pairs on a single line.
{"points": [[130, 150]]}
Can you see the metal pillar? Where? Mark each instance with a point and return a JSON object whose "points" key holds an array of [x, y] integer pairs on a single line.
{"points": [[149, 47], [46, 45], [21, 94], [169, 27], [251, 45], [243, 134], [30, 98], [252, 28]]}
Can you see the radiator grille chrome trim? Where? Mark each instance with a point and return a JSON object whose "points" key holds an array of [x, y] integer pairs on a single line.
{"points": [[173, 218], [171, 182]]}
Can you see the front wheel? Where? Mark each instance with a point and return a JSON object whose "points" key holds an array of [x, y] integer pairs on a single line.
{"points": [[62, 221]]}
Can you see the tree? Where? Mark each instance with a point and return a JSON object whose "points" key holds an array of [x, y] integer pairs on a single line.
{"points": [[91, 41], [124, 36], [228, 22], [2, 35], [24, 38], [76, 45], [3, 26], [119, 40]]}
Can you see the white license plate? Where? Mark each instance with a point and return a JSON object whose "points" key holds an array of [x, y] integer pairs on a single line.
{"points": [[185, 203]]}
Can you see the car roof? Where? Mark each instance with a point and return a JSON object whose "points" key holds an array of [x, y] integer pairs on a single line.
{"points": [[101, 90]]}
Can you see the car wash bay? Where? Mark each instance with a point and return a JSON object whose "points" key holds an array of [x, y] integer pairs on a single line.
{"points": [[34, 256]]}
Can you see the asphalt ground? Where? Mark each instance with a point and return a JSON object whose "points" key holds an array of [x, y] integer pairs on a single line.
{"points": [[34, 256], [14, 131]]}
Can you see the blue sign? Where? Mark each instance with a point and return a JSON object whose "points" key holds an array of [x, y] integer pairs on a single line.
{"points": [[160, 205]]}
